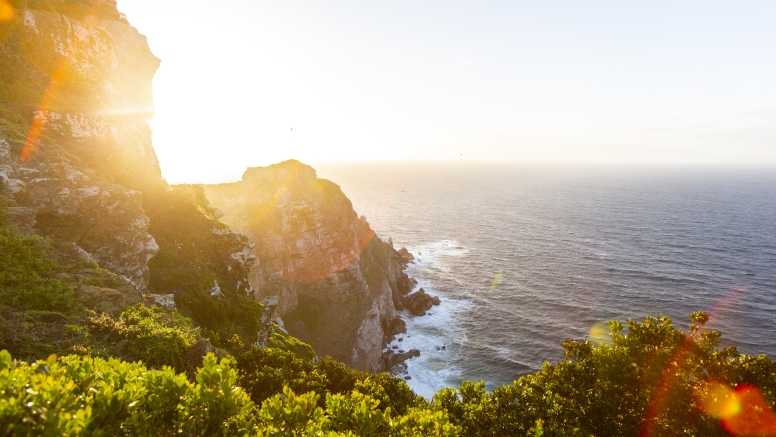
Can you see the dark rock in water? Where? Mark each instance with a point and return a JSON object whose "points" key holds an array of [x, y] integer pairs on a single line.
{"points": [[407, 378], [395, 327], [444, 348], [405, 255], [420, 302], [198, 350], [392, 359]]}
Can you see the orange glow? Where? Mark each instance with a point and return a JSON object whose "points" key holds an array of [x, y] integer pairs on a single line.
{"points": [[6, 11], [659, 395], [742, 411], [745, 412], [309, 269], [37, 124], [714, 398], [600, 334]]}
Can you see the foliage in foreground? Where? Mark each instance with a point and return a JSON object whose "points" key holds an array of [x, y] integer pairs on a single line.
{"points": [[74, 396], [152, 335], [655, 380], [264, 373]]}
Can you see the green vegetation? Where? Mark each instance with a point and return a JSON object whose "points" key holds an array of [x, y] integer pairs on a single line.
{"points": [[651, 380], [654, 380], [152, 335], [195, 253], [27, 273], [264, 373], [75, 396]]}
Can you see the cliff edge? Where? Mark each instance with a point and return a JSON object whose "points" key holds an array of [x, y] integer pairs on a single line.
{"points": [[77, 166], [338, 284]]}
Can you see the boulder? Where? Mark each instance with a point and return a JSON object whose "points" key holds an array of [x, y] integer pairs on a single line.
{"points": [[420, 302], [198, 350], [405, 255], [392, 359], [265, 331], [102, 300], [166, 301]]}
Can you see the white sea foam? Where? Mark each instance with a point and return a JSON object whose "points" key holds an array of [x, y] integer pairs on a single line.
{"points": [[437, 335]]}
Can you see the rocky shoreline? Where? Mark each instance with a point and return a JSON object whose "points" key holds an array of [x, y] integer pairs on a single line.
{"points": [[416, 303], [338, 285]]}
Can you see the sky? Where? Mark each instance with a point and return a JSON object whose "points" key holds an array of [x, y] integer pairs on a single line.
{"points": [[253, 82]]}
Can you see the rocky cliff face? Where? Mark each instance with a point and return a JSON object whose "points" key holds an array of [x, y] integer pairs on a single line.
{"points": [[338, 284], [72, 166], [77, 166]]}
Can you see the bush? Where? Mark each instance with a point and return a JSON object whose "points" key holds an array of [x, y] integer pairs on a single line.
{"points": [[264, 373], [194, 253], [651, 381], [27, 273], [152, 335], [74, 396]]}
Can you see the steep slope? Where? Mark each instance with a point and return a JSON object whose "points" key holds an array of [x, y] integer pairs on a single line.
{"points": [[338, 284], [77, 166]]}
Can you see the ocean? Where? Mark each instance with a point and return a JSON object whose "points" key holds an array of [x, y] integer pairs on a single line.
{"points": [[525, 256]]}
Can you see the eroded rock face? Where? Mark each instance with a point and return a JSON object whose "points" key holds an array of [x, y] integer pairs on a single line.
{"points": [[95, 219], [336, 282], [76, 177], [100, 94]]}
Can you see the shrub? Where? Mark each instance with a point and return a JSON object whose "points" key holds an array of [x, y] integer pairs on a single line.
{"points": [[152, 335], [646, 383], [266, 372], [27, 273], [194, 253], [74, 396]]}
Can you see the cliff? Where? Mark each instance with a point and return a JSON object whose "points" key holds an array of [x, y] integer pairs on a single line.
{"points": [[77, 167], [338, 284]]}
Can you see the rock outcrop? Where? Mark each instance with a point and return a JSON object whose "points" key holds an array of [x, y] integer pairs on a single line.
{"points": [[93, 219], [337, 283], [419, 302], [77, 166], [85, 153]]}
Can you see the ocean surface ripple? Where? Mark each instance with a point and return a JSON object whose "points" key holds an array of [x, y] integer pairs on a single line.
{"points": [[524, 257]]}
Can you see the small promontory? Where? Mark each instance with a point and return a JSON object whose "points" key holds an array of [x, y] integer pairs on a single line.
{"points": [[338, 284]]}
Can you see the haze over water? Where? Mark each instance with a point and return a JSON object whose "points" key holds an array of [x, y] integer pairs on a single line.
{"points": [[526, 256]]}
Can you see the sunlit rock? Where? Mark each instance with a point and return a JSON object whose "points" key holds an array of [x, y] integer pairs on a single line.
{"points": [[336, 283]]}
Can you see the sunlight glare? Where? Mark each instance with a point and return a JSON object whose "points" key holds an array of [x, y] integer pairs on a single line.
{"points": [[7, 11]]}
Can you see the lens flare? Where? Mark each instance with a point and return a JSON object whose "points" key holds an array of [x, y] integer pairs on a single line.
{"points": [[713, 399], [36, 130], [599, 334], [496, 281], [741, 411], [6, 11]]}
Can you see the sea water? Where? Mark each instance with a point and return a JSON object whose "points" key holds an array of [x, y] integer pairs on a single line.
{"points": [[526, 256]]}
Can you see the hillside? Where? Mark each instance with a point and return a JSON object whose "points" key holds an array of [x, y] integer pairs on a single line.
{"points": [[131, 307], [337, 284]]}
